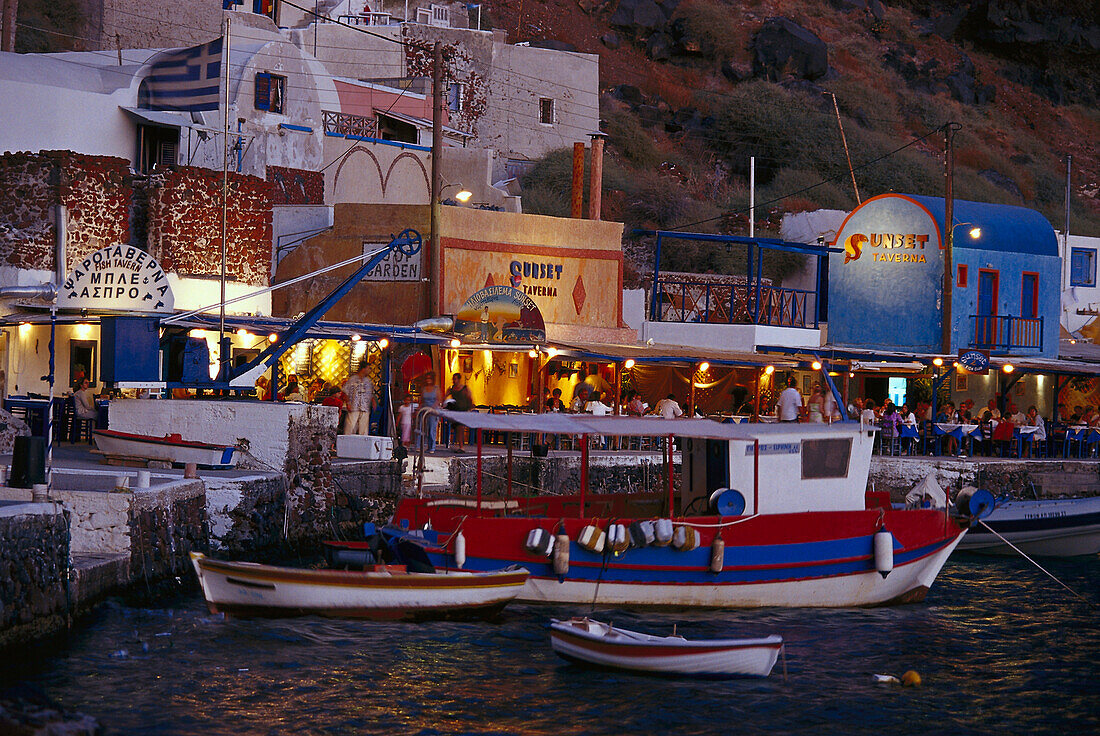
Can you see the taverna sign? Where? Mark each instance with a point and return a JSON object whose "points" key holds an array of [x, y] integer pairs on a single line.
{"points": [[117, 278]]}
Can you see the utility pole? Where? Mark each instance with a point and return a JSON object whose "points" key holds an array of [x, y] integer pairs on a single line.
{"points": [[949, 224], [11, 13], [1069, 191], [435, 250]]}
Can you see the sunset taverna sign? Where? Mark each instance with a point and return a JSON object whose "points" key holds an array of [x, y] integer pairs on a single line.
{"points": [[117, 278]]}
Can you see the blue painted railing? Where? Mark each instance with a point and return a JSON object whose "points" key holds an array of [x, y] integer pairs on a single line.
{"points": [[687, 300], [1005, 332]]}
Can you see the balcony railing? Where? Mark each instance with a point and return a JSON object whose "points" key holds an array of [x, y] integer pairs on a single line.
{"points": [[1005, 332], [341, 123], [686, 300]]}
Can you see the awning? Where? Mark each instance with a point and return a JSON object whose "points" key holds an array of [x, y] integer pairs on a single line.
{"points": [[422, 123], [658, 353], [580, 424], [161, 118]]}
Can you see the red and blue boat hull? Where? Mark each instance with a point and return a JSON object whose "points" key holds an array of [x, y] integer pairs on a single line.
{"points": [[819, 559]]}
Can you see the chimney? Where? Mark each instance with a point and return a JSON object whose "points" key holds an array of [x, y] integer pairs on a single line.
{"points": [[595, 178], [577, 210]]}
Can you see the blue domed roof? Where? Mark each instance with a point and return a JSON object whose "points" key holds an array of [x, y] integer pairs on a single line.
{"points": [[1004, 227]]}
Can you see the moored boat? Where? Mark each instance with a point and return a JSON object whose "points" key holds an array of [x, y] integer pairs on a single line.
{"points": [[170, 448], [766, 515], [591, 642], [1062, 527], [380, 592]]}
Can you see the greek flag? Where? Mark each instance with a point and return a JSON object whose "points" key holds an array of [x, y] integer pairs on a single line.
{"points": [[189, 79]]}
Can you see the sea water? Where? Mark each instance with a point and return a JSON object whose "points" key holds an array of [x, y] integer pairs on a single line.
{"points": [[1001, 649]]}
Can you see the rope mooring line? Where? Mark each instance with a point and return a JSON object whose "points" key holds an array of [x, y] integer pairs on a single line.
{"points": [[1033, 562]]}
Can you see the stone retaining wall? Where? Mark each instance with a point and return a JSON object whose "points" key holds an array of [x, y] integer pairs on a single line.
{"points": [[1051, 478], [34, 569]]}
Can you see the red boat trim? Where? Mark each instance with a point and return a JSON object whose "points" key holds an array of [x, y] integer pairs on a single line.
{"points": [[148, 439], [260, 574]]}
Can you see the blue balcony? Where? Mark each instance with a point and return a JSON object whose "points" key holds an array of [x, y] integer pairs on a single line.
{"points": [[700, 300], [1005, 333]]}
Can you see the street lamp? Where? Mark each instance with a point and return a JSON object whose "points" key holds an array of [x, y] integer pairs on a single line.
{"points": [[462, 195], [975, 233]]}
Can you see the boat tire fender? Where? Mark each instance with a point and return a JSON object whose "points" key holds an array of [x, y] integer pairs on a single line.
{"points": [[592, 538], [641, 533], [617, 539], [540, 542]]}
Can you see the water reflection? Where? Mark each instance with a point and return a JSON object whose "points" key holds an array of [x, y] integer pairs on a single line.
{"points": [[999, 646]]}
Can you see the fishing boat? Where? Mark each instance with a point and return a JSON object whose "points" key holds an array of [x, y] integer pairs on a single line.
{"points": [[591, 642], [170, 448], [763, 515], [383, 592], [1063, 527]]}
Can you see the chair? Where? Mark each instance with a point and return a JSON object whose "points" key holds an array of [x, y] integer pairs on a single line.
{"points": [[888, 441]]}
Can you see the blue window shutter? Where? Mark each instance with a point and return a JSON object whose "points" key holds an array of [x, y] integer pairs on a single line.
{"points": [[263, 91]]}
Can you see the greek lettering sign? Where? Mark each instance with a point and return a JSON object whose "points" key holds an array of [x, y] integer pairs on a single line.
{"points": [[974, 361], [396, 266], [500, 314], [117, 278]]}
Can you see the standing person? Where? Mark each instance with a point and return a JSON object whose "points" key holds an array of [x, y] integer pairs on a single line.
{"points": [[816, 406], [790, 402], [359, 401], [405, 414], [460, 400], [429, 399], [668, 408], [832, 412]]}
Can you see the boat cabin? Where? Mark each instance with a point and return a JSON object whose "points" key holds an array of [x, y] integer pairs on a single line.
{"points": [[782, 469]]}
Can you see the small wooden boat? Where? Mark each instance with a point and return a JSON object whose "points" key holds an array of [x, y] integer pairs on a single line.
{"points": [[169, 448], [592, 642], [1064, 527], [387, 592]]}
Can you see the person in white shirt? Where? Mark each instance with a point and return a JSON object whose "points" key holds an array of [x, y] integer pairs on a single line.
{"points": [[1034, 420], [867, 416], [790, 403], [595, 407], [668, 408]]}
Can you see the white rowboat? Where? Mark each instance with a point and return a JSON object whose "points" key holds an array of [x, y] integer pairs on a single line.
{"points": [[170, 448], [248, 589], [596, 643]]}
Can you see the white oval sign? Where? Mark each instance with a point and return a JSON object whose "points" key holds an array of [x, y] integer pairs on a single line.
{"points": [[117, 278]]}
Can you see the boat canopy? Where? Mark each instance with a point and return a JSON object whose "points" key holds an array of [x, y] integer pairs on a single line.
{"points": [[580, 424]]}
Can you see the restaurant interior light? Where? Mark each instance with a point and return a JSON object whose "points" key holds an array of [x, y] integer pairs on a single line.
{"points": [[273, 337], [242, 332], [769, 370], [82, 330], [1008, 368], [355, 338], [816, 365], [629, 363], [384, 343], [704, 367], [487, 355], [937, 362], [551, 352], [532, 353], [455, 343]]}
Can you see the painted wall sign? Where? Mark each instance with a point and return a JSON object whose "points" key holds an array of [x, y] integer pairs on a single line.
{"points": [[500, 314], [396, 266], [886, 288], [974, 361], [117, 278], [522, 273]]}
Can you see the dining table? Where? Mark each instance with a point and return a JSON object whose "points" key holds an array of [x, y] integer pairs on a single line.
{"points": [[959, 431]]}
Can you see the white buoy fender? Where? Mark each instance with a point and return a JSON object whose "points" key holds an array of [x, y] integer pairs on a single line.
{"points": [[717, 554], [561, 554], [617, 539], [884, 552], [662, 532], [539, 542], [460, 550], [685, 538]]}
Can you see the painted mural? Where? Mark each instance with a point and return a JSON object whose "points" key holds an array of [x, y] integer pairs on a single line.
{"points": [[500, 314]]}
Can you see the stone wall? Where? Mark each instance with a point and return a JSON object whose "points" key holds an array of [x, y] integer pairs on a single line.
{"points": [[183, 225], [34, 568], [96, 189], [295, 186], [166, 524]]}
